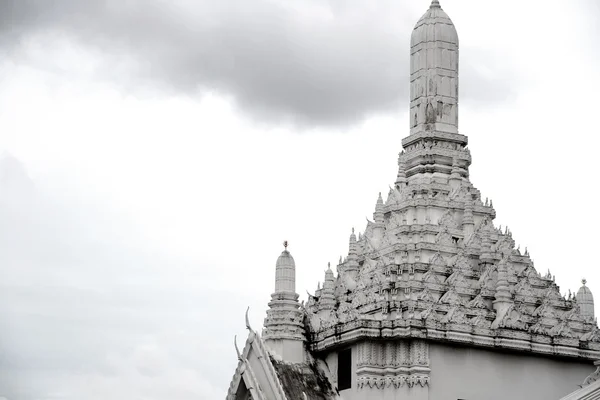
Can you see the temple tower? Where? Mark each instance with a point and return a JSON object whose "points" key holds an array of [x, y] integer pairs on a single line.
{"points": [[433, 301], [585, 299], [434, 73], [284, 328], [434, 100]]}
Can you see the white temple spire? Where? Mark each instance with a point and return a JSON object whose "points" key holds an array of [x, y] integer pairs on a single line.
{"points": [[378, 214], [284, 327], [285, 272], [585, 299]]}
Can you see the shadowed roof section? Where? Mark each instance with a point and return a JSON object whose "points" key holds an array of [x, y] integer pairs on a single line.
{"points": [[297, 379]]}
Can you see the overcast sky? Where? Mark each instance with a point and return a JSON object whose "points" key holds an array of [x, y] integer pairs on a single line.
{"points": [[155, 154]]}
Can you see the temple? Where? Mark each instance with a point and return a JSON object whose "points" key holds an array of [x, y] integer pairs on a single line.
{"points": [[432, 301]]}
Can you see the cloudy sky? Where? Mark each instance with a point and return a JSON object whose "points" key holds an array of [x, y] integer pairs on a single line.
{"points": [[155, 154]]}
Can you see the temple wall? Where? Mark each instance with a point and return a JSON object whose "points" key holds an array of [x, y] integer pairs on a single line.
{"points": [[462, 373], [477, 374]]}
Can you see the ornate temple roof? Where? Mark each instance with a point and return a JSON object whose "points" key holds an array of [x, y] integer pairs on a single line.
{"points": [[431, 264]]}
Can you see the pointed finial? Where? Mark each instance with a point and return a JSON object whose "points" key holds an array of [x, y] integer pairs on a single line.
{"points": [[353, 230], [248, 320], [584, 281], [435, 4], [285, 244], [329, 266], [340, 260], [237, 350]]}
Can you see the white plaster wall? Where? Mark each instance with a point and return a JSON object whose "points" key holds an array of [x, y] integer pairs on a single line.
{"points": [[477, 374]]}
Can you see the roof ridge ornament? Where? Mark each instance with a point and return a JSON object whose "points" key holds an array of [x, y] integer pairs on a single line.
{"points": [[248, 320], [237, 350], [435, 4]]}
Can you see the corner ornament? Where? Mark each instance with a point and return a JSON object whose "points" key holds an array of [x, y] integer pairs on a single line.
{"points": [[248, 320], [237, 350]]}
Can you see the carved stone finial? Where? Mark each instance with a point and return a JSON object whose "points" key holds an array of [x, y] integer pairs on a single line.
{"points": [[285, 244], [583, 281], [237, 350], [248, 320], [329, 266], [435, 4]]}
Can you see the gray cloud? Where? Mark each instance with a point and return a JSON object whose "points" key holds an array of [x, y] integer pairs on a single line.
{"points": [[326, 64]]}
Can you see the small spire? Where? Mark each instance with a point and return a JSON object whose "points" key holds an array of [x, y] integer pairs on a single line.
{"points": [[352, 246], [329, 266], [285, 244], [584, 281], [435, 4], [378, 214]]}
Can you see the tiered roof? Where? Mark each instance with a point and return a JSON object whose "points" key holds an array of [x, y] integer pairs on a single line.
{"points": [[431, 264]]}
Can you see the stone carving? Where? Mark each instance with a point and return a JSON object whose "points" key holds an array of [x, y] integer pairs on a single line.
{"points": [[562, 329], [444, 238], [487, 280], [461, 261], [456, 316], [592, 336], [447, 220], [481, 322], [452, 298], [457, 279], [479, 303], [397, 363], [427, 296], [437, 259], [431, 277], [513, 319], [592, 378]]}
